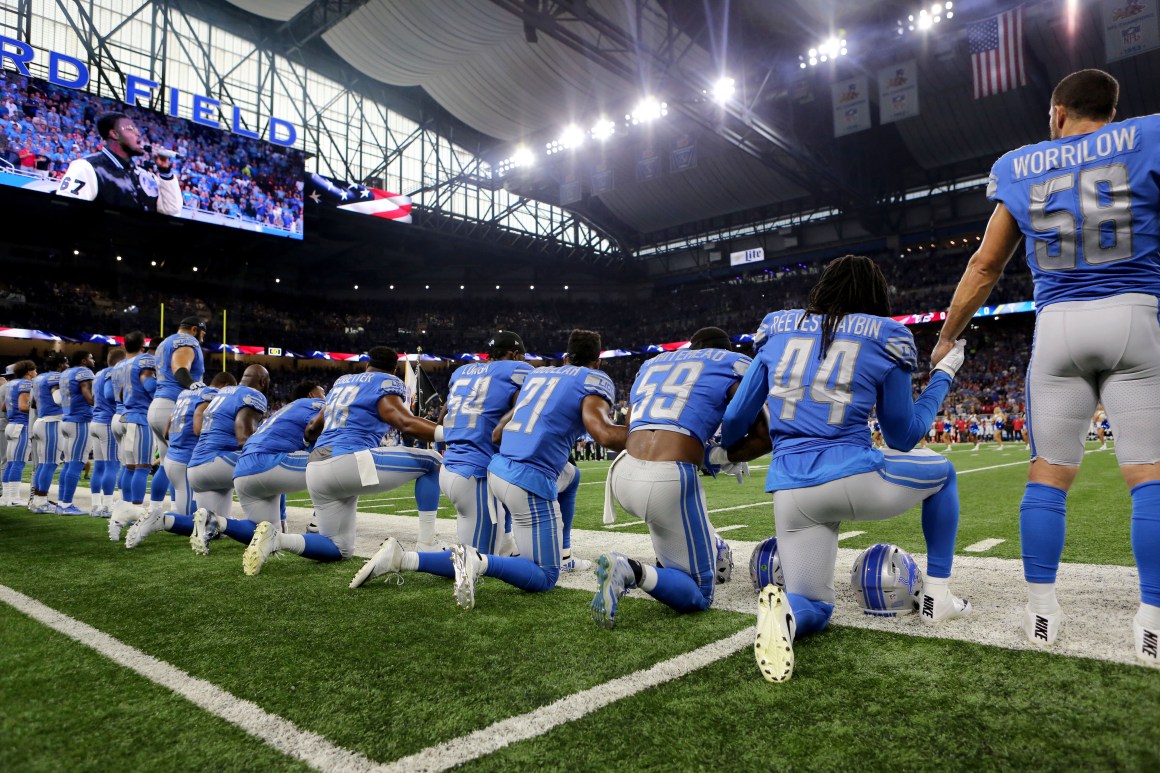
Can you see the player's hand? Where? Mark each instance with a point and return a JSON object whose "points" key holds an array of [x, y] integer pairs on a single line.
{"points": [[949, 357], [739, 470], [196, 385], [164, 163], [717, 461]]}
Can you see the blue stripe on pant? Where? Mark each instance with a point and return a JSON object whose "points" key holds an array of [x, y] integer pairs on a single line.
{"points": [[543, 570], [691, 592]]}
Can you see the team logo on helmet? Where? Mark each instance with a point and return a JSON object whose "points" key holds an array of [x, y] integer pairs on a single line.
{"points": [[887, 582]]}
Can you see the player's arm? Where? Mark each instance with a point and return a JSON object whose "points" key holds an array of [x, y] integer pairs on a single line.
{"points": [[747, 402], [24, 402], [314, 428], [57, 395], [86, 388], [246, 424], [757, 441], [148, 380], [395, 412], [497, 433], [169, 199], [180, 363], [198, 418], [999, 243], [904, 422], [79, 181], [594, 414]]}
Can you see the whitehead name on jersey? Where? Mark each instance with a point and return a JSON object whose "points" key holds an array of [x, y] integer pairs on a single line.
{"points": [[1089, 207], [546, 422], [819, 408], [168, 387], [685, 391], [477, 398], [351, 416], [218, 423]]}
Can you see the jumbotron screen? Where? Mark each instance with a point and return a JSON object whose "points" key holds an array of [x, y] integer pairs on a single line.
{"points": [[68, 143]]}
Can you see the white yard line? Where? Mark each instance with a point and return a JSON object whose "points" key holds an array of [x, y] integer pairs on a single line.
{"points": [[279, 733], [983, 545], [766, 503], [849, 534], [733, 527], [624, 524], [569, 709]]}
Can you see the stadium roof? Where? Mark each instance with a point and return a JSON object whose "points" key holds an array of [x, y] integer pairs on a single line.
{"points": [[519, 71]]}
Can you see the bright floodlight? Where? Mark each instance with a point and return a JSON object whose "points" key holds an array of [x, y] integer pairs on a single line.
{"points": [[723, 89], [523, 156], [603, 129], [649, 109], [924, 22], [572, 136], [936, 8]]}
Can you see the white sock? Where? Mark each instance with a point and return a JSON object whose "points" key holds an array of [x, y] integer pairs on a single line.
{"points": [[167, 522], [294, 543], [483, 563], [1148, 616], [62, 503], [649, 578], [427, 526], [1041, 597], [936, 586], [410, 561], [565, 554]]}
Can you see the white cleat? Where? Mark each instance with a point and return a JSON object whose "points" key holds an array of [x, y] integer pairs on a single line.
{"points": [[142, 529], [205, 528], [614, 576], [122, 516], [263, 545], [724, 568], [1147, 644], [430, 547], [388, 559], [468, 566], [776, 626], [574, 564], [941, 605], [1041, 628]]}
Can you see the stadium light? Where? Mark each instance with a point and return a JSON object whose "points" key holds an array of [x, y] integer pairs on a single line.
{"points": [[355, 287], [277, 281], [647, 109], [152, 263], [565, 287], [925, 18], [118, 257], [531, 287], [460, 287], [829, 49], [195, 268], [723, 89], [603, 129], [76, 252], [391, 287], [497, 287]]}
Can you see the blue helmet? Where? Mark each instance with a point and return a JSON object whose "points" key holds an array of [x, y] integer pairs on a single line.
{"points": [[765, 565], [887, 581]]}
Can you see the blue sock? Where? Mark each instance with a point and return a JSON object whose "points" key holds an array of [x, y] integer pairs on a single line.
{"points": [[567, 500], [1042, 528], [39, 475], [160, 486], [427, 491], [70, 477], [320, 548], [679, 591], [437, 563], [1146, 539], [138, 482], [182, 524], [811, 616], [112, 472], [522, 573], [13, 472], [125, 482], [282, 510], [940, 526], [97, 478], [241, 530]]}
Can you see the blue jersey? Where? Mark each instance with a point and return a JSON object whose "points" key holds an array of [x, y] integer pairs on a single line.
{"points": [[42, 389], [277, 436], [116, 378], [547, 420], [168, 387], [131, 394], [351, 416], [1089, 207], [218, 422], [477, 398], [819, 406], [182, 441], [103, 401], [72, 399], [685, 391], [17, 387], [946, 426]]}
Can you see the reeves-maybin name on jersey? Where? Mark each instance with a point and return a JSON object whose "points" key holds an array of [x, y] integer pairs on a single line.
{"points": [[351, 416], [477, 398], [218, 422], [546, 422], [168, 387], [685, 391], [1089, 207]]}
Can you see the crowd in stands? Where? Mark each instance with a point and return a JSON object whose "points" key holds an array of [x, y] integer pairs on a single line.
{"points": [[44, 127]]}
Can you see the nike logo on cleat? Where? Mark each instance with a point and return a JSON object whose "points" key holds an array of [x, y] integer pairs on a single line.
{"points": [[1150, 643], [1041, 627], [928, 606]]}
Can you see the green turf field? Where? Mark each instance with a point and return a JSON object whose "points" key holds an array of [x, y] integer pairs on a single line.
{"points": [[391, 670]]}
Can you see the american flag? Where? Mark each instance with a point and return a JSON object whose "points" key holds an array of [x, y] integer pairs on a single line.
{"points": [[997, 53], [354, 197]]}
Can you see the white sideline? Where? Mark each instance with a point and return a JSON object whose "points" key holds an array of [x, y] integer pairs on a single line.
{"points": [[849, 534], [734, 526], [983, 545], [568, 709], [279, 733]]}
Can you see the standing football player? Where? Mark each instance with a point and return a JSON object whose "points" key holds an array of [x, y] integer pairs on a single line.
{"points": [[821, 370], [76, 391], [106, 463], [18, 393], [46, 399], [678, 400], [180, 365], [1086, 204], [134, 387], [347, 461]]}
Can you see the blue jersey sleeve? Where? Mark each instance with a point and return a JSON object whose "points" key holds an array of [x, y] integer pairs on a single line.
{"points": [[598, 383], [83, 374], [393, 385], [762, 334], [904, 423], [520, 373], [256, 400], [746, 403], [898, 342]]}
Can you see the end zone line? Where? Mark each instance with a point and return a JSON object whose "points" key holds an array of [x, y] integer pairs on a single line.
{"points": [[271, 729], [568, 709]]}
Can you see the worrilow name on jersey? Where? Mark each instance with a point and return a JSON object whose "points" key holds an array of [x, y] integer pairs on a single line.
{"points": [[1092, 148]]}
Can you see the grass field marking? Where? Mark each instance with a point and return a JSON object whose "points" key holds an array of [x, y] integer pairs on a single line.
{"points": [[271, 729], [624, 524], [983, 545], [992, 467], [766, 503], [568, 709], [849, 534], [732, 527]]}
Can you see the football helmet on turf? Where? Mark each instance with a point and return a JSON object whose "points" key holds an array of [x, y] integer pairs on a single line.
{"points": [[887, 581], [765, 565]]}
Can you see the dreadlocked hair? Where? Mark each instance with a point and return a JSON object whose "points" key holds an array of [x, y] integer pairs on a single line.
{"points": [[851, 284]]}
